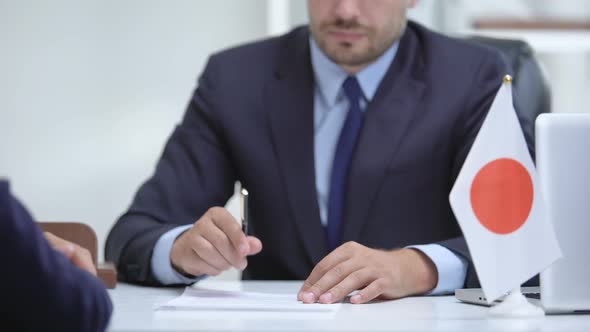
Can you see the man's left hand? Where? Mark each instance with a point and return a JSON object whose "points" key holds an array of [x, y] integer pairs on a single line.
{"points": [[79, 256], [375, 273]]}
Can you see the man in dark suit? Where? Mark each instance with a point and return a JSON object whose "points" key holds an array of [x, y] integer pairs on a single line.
{"points": [[348, 135], [42, 288]]}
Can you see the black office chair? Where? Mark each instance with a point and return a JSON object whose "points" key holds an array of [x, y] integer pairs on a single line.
{"points": [[531, 92]]}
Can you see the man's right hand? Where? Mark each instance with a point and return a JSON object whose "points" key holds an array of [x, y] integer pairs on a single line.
{"points": [[214, 244]]}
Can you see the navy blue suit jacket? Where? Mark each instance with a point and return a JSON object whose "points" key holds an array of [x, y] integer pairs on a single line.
{"points": [[251, 120], [41, 290]]}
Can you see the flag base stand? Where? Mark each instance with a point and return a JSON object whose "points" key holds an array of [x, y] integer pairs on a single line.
{"points": [[515, 305]]}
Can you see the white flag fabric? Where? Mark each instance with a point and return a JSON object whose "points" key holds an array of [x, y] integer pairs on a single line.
{"points": [[498, 204]]}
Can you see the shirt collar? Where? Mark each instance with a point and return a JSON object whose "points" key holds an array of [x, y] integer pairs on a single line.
{"points": [[329, 76]]}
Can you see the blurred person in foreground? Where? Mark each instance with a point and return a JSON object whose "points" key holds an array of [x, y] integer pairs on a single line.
{"points": [[47, 283]]}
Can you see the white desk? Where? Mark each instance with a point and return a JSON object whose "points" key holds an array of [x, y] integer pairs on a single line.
{"points": [[134, 312]]}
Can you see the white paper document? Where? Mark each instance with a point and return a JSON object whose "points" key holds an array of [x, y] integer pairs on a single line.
{"points": [[214, 299]]}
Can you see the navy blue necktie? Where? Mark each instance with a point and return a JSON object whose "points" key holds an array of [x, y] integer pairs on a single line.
{"points": [[342, 160]]}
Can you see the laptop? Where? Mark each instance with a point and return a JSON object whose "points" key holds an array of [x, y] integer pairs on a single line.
{"points": [[563, 164]]}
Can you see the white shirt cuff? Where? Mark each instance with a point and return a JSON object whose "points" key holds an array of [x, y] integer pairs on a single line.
{"points": [[452, 268], [161, 264]]}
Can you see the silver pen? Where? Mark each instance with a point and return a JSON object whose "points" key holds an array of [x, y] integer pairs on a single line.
{"points": [[244, 206]]}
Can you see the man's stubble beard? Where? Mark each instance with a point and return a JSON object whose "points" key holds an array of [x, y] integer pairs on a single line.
{"points": [[341, 54]]}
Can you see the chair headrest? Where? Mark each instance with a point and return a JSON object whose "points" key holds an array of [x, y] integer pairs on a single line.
{"points": [[531, 92]]}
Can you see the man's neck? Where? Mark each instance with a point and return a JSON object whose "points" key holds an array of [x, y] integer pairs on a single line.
{"points": [[353, 70]]}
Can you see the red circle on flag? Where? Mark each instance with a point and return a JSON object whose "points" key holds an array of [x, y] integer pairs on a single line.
{"points": [[502, 195]]}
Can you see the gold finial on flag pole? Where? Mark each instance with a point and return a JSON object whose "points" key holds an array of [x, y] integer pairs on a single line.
{"points": [[507, 79]]}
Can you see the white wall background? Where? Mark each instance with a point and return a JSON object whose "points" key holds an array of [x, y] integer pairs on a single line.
{"points": [[91, 89]]}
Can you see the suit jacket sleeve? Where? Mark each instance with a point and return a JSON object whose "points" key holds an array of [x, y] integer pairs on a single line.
{"points": [[41, 289], [193, 174], [486, 84]]}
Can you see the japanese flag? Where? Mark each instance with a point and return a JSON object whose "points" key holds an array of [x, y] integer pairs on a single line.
{"points": [[498, 204]]}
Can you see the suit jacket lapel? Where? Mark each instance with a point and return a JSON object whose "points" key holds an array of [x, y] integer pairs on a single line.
{"points": [[386, 120], [290, 107]]}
